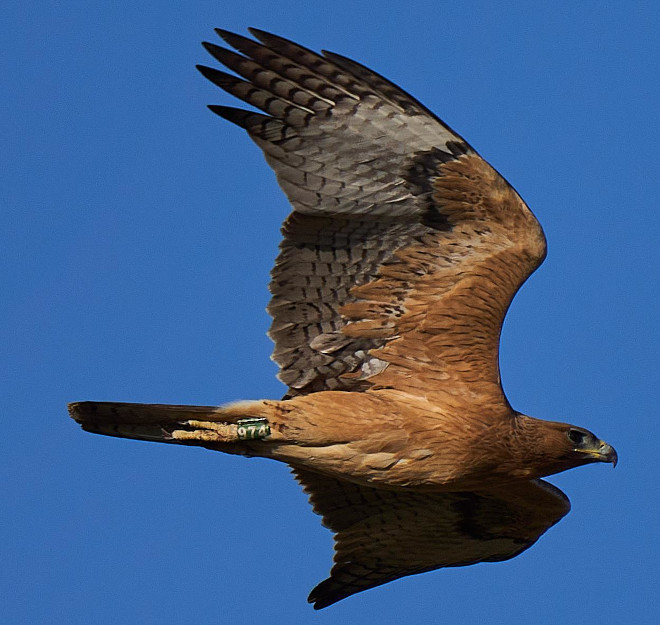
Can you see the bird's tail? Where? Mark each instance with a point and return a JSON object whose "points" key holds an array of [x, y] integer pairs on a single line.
{"points": [[224, 427]]}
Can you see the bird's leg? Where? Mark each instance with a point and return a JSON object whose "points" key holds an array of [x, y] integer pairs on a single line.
{"points": [[206, 431], [250, 428]]}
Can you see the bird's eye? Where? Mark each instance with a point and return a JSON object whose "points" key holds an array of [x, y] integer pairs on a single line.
{"points": [[577, 437]]}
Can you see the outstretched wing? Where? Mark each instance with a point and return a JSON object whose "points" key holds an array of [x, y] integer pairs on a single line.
{"points": [[404, 248], [381, 535]]}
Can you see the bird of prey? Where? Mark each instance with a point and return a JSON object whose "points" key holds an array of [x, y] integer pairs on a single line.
{"points": [[398, 263]]}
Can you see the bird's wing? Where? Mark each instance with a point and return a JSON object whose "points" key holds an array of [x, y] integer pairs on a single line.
{"points": [[404, 248], [381, 535]]}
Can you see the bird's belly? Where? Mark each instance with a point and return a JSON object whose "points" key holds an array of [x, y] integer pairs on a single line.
{"points": [[418, 468], [375, 442]]}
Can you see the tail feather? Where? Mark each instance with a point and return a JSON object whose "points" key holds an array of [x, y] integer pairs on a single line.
{"points": [[149, 422]]}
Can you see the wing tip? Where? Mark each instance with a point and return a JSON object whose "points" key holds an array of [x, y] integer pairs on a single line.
{"points": [[264, 36], [229, 36], [325, 594], [238, 116]]}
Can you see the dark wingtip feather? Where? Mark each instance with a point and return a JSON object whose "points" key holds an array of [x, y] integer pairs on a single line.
{"points": [[225, 34], [232, 60], [264, 34], [221, 32], [280, 44], [233, 39], [209, 47], [229, 113], [218, 77], [205, 70], [326, 593], [237, 116]]}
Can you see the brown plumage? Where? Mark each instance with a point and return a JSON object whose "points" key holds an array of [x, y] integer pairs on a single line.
{"points": [[397, 266]]}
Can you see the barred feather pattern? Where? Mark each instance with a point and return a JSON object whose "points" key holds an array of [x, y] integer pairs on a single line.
{"points": [[328, 134], [360, 160]]}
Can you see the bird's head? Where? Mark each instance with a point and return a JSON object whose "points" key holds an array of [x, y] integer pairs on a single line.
{"points": [[585, 447], [561, 446]]}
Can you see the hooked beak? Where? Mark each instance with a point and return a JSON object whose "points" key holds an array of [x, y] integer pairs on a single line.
{"points": [[607, 453], [603, 453]]}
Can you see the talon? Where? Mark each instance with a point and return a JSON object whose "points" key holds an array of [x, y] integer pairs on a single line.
{"points": [[206, 432], [254, 428], [226, 429], [196, 435]]}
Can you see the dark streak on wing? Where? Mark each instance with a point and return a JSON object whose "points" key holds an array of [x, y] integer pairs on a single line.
{"points": [[355, 156]]}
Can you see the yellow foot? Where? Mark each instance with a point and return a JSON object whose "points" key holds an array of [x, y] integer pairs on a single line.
{"points": [[206, 431], [214, 432]]}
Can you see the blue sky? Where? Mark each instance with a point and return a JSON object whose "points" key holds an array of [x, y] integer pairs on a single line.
{"points": [[138, 232]]}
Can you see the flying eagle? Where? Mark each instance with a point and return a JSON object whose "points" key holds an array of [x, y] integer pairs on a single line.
{"points": [[396, 269]]}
